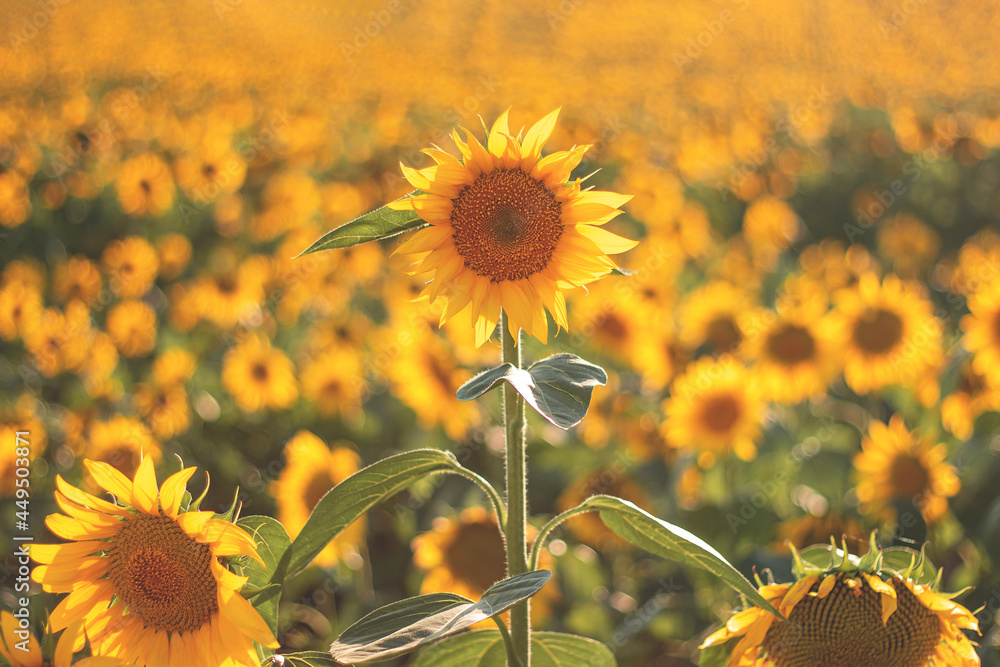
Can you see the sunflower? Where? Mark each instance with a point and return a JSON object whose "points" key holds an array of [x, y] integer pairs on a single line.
{"points": [[145, 577], [794, 355], [889, 331], [77, 278], [982, 332], [131, 265], [20, 309], [15, 199], [508, 229], [714, 407], [60, 341], [21, 417], [465, 556], [334, 381], [971, 397], [846, 616], [909, 244], [612, 480], [710, 316], [896, 463], [770, 225], [227, 297], [259, 376], [132, 326], [145, 186], [121, 442], [71, 641], [313, 469], [174, 253], [173, 366], [165, 408]]}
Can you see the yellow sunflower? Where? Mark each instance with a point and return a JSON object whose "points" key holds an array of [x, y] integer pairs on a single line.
{"points": [[22, 416], [795, 358], [259, 376], [131, 265], [334, 381], [982, 332], [710, 316], [132, 326], [465, 556], [71, 641], [848, 619], [165, 408], [173, 366], [612, 480], [20, 309], [889, 333], [122, 442], [714, 407], [77, 278], [145, 186], [60, 341], [508, 229], [174, 252], [897, 463], [145, 577], [313, 469], [971, 397]]}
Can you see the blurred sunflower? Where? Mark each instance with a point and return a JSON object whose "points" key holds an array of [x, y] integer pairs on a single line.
{"points": [[311, 470], [769, 225], [334, 381], [845, 619], [145, 186], [982, 332], [165, 408], [211, 172], [896, 463], [60, 341], [889, 333], [145, 577], [971, 397], [911, 245], [709, 315], [15, 199], [132, 326], [20, 417], [588, 527], [173, 366], [20, 309], [227, 297], [425, 377], [174, 253], [809, 529], [259, 376], [714, 407], [131, 265], [465, 556], [794, 355], [508, 229], [121, 442], [76, 278], [71, 641]]}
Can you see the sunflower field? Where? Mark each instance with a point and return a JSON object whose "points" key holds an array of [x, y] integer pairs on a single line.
{"points": [[697, 303]]}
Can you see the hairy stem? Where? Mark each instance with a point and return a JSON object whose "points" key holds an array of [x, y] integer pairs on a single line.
{"points": [[517, 492]]}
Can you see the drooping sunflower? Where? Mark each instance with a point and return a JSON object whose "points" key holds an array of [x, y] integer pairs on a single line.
{"points": [[145, 577], [465, 555], [259, 376], [896, 463], [889, 332], [982, 332], [856, 612], [508, 229], [71, 641], [714, 407], [313, 469]]}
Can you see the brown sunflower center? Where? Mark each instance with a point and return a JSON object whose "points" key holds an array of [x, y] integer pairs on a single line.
{"points": [[719, 413], [146, 187], [844, 629], [475, 556], [908, 476], [723, 334], [259, 371], [162, 575], [506, 225], [791, 345], [318, 485], [878, 331]]}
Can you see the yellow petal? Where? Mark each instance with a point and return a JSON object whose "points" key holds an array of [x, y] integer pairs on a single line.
{"points": [[81, 603], [63, 656], [87, 500], [47, 554], [480, 158], [886, 592], [610, 243], [73, 529], [798, 591], [535, 139], [111, 479], [246, 618], [497, 142], [514, 301], [144, 491], [172, 491], [31, 658]]}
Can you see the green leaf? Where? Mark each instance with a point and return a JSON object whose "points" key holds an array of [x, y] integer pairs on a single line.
{"points": [[484, 648], [272, 543], [304, 659], [671, 542], [405, 625], [913, 564], [558, 388], [357, 494], [382, 223]]}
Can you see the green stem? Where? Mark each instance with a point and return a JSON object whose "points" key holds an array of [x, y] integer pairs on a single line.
{"points": [[536, 548], [493, 494], [517, 501], [508, 642]]}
